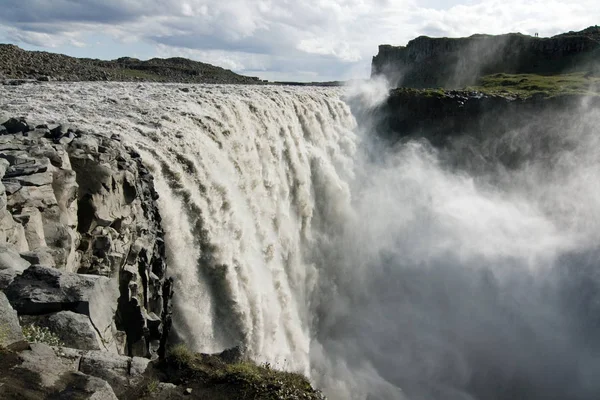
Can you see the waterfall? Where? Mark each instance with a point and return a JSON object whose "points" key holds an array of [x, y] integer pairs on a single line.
{"points": [[236, 169], [402, 272]]}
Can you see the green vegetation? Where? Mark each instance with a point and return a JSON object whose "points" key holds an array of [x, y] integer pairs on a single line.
{"points": [[152, 386], [40, 334], [518, 85], [241, 379], [526, 85]]}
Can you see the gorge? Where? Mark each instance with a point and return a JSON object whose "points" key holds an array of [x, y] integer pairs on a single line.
{"points": [[406, 269], [250, 240]]}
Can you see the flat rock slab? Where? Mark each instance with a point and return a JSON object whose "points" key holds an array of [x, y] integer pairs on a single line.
{"points": [[120, 371]]}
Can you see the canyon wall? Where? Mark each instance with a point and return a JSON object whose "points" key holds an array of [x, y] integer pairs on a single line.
{"points": [[458, 62]]}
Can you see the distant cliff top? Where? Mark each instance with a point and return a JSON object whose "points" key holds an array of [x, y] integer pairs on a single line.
{"points": [[458, 62], [16, 63]]}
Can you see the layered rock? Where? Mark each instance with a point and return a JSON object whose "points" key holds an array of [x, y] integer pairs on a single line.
{"points": [[458, 62], [80, 233]]}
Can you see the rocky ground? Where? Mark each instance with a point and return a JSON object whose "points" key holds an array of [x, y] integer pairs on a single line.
{"points": [[85, 302], [17, 64]]}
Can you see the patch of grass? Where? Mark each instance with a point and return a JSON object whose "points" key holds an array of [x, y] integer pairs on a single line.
{"points": [[181, 355], [526, 85], [247, 379], [152, 386]]}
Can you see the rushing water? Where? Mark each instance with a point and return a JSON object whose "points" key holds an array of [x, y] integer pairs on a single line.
{"points": [[383, 273]]}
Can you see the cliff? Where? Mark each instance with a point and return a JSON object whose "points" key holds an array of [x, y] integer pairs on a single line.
{"points": [[85, 301], [458, 62], [19, 64], [480, 130], [76, 203]]}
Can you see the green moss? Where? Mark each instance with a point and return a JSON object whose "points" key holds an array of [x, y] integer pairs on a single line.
{"points": [[152, 386], [181, 355], [246, 379]]}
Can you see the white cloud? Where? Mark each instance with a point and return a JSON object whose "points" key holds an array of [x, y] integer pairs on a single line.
{"points": [[283, 36]]}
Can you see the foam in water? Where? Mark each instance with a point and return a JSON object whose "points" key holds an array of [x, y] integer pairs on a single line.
{"points": [[383, 273]]}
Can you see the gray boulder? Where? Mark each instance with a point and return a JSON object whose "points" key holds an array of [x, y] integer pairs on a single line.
{"points": [[82, 386], [10, 330], [14, 125], [41, 290], [6, 277], [40, 256], [10, 259], [74, 330], [120, 372], [42, 359]]}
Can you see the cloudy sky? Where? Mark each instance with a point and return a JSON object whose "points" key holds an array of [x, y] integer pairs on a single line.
{"points": [[274, 39]]}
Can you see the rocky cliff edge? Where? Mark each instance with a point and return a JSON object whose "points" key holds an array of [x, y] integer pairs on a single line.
{"points": [[427, 62], [82, 257]]}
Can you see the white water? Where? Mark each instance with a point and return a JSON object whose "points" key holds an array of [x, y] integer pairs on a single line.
{"points": [[378, 272]]}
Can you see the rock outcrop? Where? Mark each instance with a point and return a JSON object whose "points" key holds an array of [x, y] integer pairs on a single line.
{"points": [[19, 66], [85, 302], [80, 233], [458, 62]]}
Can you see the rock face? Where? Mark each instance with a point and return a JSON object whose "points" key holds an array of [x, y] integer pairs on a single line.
{"points": [[454, 63], [10, 330], [80, 233], [465, 122]]}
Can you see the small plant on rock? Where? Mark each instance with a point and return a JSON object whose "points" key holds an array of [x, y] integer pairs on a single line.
{"points": [[152, 386], [182, 355], [39, 334]]}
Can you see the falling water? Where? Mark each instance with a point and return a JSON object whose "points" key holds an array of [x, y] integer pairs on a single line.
{"points": [[381, 272]]}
